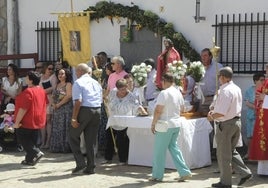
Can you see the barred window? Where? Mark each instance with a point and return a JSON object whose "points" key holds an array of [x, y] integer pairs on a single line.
{"points": [[48, 41], [243, 42]]}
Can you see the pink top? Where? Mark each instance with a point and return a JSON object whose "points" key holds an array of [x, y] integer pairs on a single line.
{"points": [[114, 77]]}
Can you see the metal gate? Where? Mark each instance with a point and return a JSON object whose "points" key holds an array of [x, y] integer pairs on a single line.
{"points": [[243, 40], [48, 41]]}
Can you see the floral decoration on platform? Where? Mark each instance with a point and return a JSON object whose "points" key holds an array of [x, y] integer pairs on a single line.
{"points": [[197, 70], [139, 73], [178, 69], [143, 19]]}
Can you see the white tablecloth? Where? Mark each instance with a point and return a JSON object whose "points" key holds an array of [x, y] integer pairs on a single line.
{"points": [[193, 141]]}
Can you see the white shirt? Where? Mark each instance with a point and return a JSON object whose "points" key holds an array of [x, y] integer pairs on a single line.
{"points": [[127, 105], [172, 100], [12, 90], [229, 101]]}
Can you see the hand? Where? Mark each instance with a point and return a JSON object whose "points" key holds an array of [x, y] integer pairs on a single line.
{"points": [[209, 116], [153, 129], [17, 125], [75, 124], [260, 96]]}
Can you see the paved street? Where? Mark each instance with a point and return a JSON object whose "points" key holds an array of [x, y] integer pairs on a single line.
{"points": [[54, 170]]}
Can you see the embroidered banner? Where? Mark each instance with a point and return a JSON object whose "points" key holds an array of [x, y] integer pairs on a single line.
{"points": [[75, 35]]}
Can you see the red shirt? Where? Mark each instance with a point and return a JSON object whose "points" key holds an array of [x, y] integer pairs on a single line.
{"points": [[34, 101]]}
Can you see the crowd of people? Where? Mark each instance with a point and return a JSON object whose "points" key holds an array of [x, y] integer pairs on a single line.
{"points": [[57, 113]]}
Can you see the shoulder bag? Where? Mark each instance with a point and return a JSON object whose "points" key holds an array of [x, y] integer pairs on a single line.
{"points": [[162, 125]]}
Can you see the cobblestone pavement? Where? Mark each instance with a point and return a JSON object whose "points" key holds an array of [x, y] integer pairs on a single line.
{"points": [[54, 170]]}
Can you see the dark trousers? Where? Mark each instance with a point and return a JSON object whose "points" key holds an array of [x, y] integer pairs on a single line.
{"points": [[122, 144], [89, 120], [28, 139]]}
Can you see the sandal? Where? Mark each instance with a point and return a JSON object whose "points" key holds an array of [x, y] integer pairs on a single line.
{"points": [[154, 179]]}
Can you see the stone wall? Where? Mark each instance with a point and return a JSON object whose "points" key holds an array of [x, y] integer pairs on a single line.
{"points": [[3, 29]]}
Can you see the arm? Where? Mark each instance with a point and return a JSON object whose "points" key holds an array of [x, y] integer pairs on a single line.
{"points": [[19, 90], [157, 112], [66, 98], [19, 117], [212, 116], [76, 108], [250, 105]]}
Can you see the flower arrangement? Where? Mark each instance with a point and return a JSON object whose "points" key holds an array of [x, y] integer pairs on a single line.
{"points": [[139, 73], [197, 70], [143, 19], [178, 69]]}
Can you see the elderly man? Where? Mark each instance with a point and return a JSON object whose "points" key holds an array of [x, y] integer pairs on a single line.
{"points": [[87, 97], [118, 64], [226, 115]]}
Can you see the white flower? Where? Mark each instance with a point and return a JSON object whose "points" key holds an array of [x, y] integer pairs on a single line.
{"points": [[197, 70], [140, 73], [178, 69]]}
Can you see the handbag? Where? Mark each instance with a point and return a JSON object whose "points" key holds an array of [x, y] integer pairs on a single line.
{"points": [[161, 126]]}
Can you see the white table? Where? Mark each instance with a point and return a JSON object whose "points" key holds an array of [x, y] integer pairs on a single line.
{"points": [[193, 141]]}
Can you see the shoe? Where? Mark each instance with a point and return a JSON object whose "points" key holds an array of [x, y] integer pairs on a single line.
{"points": [[221, 185], [244, 179], [183, 178], [106, 162], [154, 179], [11, 129], [38, 157], [88, 171], [78, 170], [27, 163], [20, 148], [122, 163]]}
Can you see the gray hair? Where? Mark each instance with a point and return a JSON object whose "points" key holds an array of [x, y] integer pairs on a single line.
{"points": [[119, 59], [83, 67], [227, 72]]}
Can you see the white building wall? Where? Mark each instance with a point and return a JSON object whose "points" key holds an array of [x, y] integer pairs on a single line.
{"points": [[105, 37]]}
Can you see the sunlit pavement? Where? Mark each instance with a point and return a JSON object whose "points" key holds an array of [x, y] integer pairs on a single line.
{"points": [[54, 170]]}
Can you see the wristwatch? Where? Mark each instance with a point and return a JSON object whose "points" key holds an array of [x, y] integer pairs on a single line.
{"points": [[73, 120]]}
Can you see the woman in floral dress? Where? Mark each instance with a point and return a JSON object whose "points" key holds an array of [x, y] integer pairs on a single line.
{"points": [[62, 113]]}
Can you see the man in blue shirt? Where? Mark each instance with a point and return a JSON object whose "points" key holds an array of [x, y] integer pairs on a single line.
{"points": [[87, 97], [209, 81]]}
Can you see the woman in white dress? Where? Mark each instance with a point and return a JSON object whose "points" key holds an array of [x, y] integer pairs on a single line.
{"points": [[11, 85]]}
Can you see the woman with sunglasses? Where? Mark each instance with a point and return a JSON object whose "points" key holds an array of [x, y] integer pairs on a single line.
{"points": [[48, 81]]}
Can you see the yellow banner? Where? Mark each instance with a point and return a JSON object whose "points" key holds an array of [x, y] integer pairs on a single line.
{"points": [[75, 36]]}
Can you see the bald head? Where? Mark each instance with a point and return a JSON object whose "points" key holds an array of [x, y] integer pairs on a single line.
{"points": [[84, 68], [227, 72], [81, 69]]}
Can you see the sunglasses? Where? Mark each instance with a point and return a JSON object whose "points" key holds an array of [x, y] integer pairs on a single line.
{"points": [[50, 68]]}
